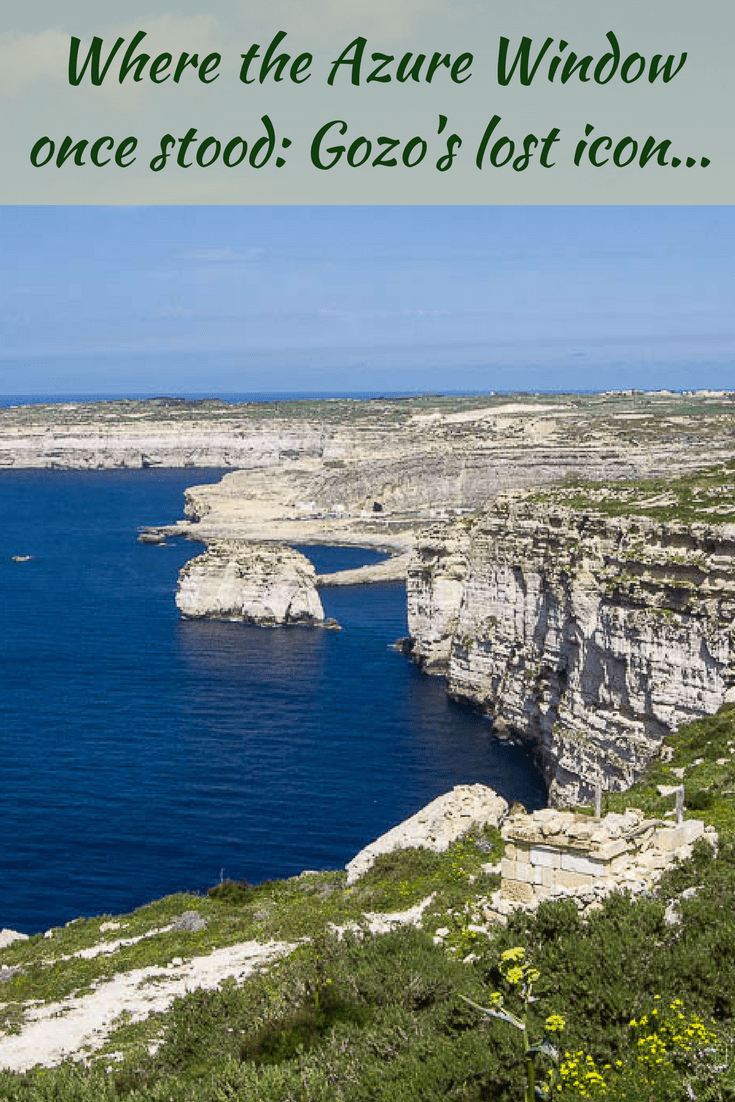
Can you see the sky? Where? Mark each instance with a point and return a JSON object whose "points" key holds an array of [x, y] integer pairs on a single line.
{"points": [[217, 300]]}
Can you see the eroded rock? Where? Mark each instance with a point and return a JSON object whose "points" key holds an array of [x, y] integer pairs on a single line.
{"points": [[189, 922], [436, 826], [256, 583], [589, 637], [7, 937]]}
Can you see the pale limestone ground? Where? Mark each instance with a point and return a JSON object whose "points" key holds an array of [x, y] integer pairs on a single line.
{"points": [[485, 414], [390, 570], [77, 1026], [107, 948], [80, 1024]]}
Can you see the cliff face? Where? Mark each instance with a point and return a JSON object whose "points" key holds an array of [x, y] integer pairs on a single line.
{"points": [[183, 444], [256, 583], [589, 637]]}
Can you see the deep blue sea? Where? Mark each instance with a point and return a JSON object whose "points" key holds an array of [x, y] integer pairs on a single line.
{"points": [[142, 754]]}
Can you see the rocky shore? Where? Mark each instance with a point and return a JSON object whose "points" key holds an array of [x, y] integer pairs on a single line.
{"points": [[545, 855]]}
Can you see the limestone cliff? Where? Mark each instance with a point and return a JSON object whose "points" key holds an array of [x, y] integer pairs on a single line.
{"points": [[587, 636], [257, 583]]}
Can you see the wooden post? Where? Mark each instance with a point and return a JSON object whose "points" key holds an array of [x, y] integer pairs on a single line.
{"points": [[680, 805], [598, 800]]}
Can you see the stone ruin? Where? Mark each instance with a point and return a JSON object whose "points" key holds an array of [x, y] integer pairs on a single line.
{"points": [[551, 854]]}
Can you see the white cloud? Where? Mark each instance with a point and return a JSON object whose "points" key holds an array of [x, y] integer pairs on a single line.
{"points": [[381, 21], [28, 59]]}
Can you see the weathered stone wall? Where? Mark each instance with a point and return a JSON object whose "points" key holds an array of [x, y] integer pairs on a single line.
{"points": [[587, 637], [550, 853]]}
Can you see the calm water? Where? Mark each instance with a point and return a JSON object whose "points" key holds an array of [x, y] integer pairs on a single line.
{"points": [[142, 754]]}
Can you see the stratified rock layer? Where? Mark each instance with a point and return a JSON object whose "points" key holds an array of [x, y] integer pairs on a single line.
{"points": [[589, 637], [436, 826], [256, 583]]}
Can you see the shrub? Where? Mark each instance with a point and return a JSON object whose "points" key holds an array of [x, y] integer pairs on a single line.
{"points": [[230, 891]]}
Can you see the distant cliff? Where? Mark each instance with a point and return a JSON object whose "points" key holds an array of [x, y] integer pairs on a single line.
{"points": [[587, 636]]}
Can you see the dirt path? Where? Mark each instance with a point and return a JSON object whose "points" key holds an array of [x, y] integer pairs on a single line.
{"points": [[78, 1025]]}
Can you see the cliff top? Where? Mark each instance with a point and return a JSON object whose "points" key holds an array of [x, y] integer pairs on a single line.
{"points": [[704, 497], [368, 1009], [638, 416]]}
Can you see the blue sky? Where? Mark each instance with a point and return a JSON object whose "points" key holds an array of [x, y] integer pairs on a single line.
{"points": [[355, 299]]}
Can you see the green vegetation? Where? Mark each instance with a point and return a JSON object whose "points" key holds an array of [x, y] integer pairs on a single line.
{"points": [[630, 416], [384, 1018], [519, 976], [706, 496], [703, 760]]}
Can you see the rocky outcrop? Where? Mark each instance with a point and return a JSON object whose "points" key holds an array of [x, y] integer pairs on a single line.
{"points": [[256, 583], [436, 826], [105, 440], [587, 637], [392, 569], [7, 937]]}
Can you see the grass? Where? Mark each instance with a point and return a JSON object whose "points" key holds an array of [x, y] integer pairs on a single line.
{"points": [[363, 1018], [280, 910], [706, 496], [704, 751], [600, 416]]}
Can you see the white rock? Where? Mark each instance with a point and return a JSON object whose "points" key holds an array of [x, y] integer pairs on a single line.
{"points": [[256, 583], [7, 937], [560, 625], [436, 826]]}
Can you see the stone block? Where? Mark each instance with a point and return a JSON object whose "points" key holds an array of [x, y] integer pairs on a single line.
{"points": [[508, 870], [574, 862], [671, 838], [524, 871], [543, 877], [544, 857], [567, 879], [611, 849], [619, 864], [516, 890], [653, 859], [511, 851]]}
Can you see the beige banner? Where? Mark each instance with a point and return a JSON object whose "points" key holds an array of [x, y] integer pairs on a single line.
{"points": [[368, 102]]}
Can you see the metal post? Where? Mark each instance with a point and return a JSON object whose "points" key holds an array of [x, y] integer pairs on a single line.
{"points": [[598, 800], [680, 805]]}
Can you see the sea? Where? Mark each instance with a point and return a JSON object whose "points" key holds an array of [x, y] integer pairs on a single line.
{"points": [[143, 754]]}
